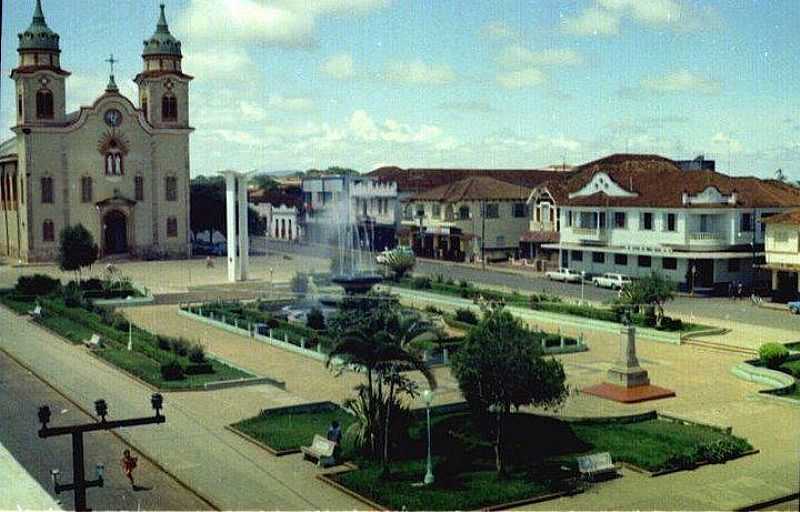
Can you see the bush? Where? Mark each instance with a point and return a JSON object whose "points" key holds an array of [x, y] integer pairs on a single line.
{"points": [[197, 354], [37, 284], [93, 284], [172, 370], [421, 283], [180, 347], [773, 355], [299, 283], [463, 284], [438, 278], [73, 296], [315, 319], [164, 343], [432, 310], [467, 316], [199, 369]]}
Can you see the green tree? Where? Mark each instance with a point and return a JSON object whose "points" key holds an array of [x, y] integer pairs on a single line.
{"points": [[400, 262], [647, 294], [377, 342], [208, 207], [500, 366], [76, 249], [264, 182]]}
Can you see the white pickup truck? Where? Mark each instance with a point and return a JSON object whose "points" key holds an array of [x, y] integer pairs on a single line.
{"points": [[610, 280], [564, 274]]}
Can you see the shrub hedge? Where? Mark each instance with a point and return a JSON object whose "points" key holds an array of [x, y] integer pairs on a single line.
{"points": [[773, 355], [37, 284]]}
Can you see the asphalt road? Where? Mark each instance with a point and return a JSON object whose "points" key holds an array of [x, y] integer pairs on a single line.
{"points": [[715, 308], [21, 393]]}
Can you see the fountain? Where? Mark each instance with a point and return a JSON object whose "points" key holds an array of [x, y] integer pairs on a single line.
{"points": [[354, 259]]}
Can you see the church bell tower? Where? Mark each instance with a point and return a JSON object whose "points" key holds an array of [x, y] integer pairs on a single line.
{"points": [[40, 81], [163, 88]]}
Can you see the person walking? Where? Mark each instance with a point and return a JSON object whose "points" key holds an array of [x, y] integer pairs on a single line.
{"points": [[128, 465], [731, 290], [739, 290]]}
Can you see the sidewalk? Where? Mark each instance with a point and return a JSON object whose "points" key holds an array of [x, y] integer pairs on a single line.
{"points": [[193, 444]]}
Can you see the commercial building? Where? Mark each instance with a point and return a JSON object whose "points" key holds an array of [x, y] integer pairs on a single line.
{"points": [[634, 214]]}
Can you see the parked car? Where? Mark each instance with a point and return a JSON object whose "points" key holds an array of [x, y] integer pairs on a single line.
{"points": [[564, 274], [794, 307], [611, 280]]}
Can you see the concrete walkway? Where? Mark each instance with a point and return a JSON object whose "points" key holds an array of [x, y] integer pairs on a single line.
{"points": [[193, 444]]}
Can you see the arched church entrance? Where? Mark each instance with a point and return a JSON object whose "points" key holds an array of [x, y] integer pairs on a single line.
{"points": [[115, 226]]}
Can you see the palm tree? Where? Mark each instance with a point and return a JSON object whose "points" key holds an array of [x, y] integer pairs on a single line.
{"points": [[383, 352]]}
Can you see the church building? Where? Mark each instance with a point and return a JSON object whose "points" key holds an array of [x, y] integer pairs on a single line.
{"points": [[118, 168]]}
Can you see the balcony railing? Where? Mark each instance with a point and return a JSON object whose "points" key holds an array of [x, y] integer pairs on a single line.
{"points": [[706, 236]]}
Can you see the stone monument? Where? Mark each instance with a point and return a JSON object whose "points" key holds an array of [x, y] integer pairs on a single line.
{"points": [[627, 381], [626, 371]]}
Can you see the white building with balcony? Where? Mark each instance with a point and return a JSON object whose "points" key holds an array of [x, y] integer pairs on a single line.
{"points": [[635, 214], [782, 247], [370, 204]]}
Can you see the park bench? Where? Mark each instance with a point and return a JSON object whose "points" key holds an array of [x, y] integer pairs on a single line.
{"points": [[321, 449], [596, 464], [93, 342], [36, 312]]}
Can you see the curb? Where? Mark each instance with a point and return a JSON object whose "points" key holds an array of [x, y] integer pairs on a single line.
{"points": [[769, 503]]}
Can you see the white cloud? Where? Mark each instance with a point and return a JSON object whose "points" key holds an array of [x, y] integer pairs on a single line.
{"points": [[499, 30], [652, 12], [417, 72], [682, 81], [281, 23], [84, 88], [521, 78], [291, 103], [725, 142], [339, 66], [592, 21], [516, 56], [217, 63]]}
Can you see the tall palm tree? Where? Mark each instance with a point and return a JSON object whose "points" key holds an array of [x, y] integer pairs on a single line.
{"points": [[383, 352]]}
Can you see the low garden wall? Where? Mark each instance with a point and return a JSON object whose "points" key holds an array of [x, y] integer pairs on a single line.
{"points": [[780, 383]]}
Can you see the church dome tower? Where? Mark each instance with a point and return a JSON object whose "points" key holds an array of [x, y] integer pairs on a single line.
{"points": [[39, 78], [163, 88]]}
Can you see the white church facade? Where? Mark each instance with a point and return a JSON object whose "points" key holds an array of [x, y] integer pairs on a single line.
{"points": [[119, 168]]}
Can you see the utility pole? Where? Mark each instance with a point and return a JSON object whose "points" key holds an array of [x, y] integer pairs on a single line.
{"points": [[79, 483]]}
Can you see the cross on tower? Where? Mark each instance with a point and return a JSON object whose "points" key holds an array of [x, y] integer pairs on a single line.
{"points": [[112, 61]]}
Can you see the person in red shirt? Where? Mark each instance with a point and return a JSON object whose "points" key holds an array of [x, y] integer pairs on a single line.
{"points": [[128, 465]]}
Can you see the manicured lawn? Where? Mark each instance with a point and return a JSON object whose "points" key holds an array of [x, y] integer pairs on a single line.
{"points": [[470, 491], [541, 452], [144, 361], [291, 431]]}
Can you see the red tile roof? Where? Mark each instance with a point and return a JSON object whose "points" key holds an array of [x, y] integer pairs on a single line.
{"points": [[790, 217], [474, 188], [659, 182], [417, 180]]}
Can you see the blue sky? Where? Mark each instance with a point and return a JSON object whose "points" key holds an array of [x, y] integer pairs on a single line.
{"points": [[294, 84]]}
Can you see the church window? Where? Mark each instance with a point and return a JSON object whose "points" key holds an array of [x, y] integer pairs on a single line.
{"points": [[172, 227], [138, 185], [171, 187], [48, 231], [86, 189], [47, 190], [169, 108], [113, 161], [144, 107], [44, 104], [19, 105]]}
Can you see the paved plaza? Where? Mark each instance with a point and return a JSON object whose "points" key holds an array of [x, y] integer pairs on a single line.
{"points": [[196, 448]]}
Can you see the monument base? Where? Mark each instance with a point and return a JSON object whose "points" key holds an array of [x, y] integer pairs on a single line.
{"points": [[628, 395], [628, 377]]}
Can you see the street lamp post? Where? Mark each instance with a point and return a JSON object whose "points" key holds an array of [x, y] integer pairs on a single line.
{"points": [[583, 278], [79, 483], [427, 395]]}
